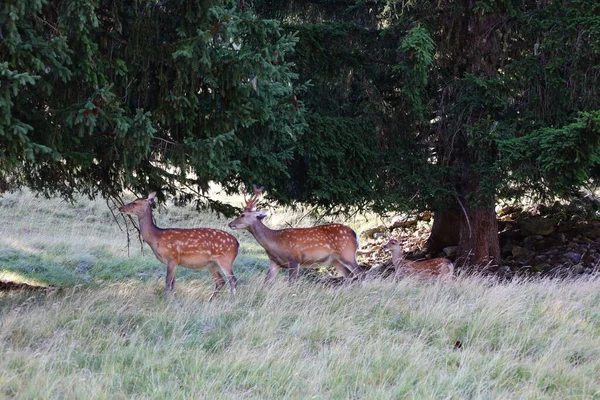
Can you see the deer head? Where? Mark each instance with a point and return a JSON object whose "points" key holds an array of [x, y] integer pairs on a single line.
{"points": [[249, 215], [392, 243], [139, 206]]}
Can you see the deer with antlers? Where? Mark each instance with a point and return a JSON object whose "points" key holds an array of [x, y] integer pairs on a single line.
{"points": [[333, 244], [434, 267], [197, 248]]}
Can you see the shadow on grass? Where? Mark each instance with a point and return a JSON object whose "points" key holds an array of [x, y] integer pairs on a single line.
{"points": [[34, 266], [6, 285]]}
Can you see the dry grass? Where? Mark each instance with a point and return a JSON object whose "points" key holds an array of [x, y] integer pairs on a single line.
{"points": [[109, 333]]}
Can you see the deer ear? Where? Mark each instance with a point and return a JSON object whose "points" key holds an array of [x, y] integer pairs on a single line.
{"points": [[261, 215], [151, 197]]}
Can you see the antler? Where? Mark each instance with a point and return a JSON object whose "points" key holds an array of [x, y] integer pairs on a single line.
{"points": [[250, 204]]}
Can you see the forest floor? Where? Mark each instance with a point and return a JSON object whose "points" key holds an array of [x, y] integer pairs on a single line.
{"points": [[561, 240]]}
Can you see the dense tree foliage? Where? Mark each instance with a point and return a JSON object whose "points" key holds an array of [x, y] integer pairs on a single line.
{"points": [[393, 105], [454, 103], [99, 96]]}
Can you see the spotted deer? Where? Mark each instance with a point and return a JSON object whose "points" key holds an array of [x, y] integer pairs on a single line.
{"points": [[197, 248], [333, 244], [434, 267]]}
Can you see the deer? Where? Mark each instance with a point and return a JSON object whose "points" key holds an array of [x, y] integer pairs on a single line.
{"points": [[196, 248], [331, 244], [441, 267]]}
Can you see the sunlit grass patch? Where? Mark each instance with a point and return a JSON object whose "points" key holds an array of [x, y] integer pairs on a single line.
{"points": [[17, 278]]}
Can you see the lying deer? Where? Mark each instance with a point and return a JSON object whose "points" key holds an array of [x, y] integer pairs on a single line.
{"points": [[434, 267], [291, 248], [191, 248]]}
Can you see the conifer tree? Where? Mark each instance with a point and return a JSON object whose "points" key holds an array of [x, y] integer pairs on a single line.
{"points": [[449, 105], [99, 96]]}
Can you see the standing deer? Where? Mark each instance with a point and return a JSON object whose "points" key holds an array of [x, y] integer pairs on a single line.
{"points": [[191, 248], [434, 267], [291, 248]]}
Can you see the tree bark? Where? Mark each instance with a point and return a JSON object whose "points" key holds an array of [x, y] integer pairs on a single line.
{"points": [[477, 240], [478, 243], [445, 230], [470, 224]]}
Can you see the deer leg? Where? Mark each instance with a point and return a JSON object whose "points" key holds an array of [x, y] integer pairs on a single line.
{"points": [[214, 270], [228, 271], [357, 271], [232, 285], [341, 268], [271, 272], [293, 270], [353, 269], [170, 279]]}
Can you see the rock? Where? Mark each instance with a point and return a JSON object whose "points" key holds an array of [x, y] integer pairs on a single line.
{"points": [[542, 267], [519, 252], [450, 251], [590, 257], [567, 226], [540, 259], [537, 225], [506, 211], [578, 269], [504, 270], [426, 216], [573, 257], [529, 242], [378, 230], [399, 222], [507, 249], [545, 244]]}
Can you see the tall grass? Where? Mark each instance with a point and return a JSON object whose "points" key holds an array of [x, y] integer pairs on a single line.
{"points": [[113, 335]]}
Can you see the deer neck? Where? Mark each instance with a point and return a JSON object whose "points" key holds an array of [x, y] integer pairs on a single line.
{"points": [[397, 256], [147, 227], [263, 235]]}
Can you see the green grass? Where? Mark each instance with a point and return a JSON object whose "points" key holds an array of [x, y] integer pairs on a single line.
{"points": [[109, 333]]}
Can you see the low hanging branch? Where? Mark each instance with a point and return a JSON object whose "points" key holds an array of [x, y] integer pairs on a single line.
{"points": [[114, 202]]}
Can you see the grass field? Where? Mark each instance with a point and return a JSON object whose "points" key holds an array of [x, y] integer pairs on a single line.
{"points": [[105, 331]]}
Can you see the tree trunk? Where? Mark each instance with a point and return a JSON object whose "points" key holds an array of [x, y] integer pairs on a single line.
{"points": [[478, 243], [477, 238], [445, 230]]}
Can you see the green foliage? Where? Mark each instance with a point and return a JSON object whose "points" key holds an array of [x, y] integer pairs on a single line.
{"points": [[454, 99], [419, 46], [408, 104], [102, 96], [564, 155], [330, 163]]}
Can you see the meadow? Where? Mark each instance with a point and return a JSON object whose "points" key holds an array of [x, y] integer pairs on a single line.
{"points": [[101, 328]]}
